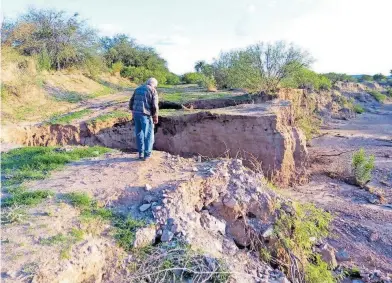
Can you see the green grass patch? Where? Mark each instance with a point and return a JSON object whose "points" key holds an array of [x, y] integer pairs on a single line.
{"points": [[184, 97], [68, 118], [22, 197], [124, 227], [358, 109], [116, 114], [64, 241], [32, 163], [378, 95]]}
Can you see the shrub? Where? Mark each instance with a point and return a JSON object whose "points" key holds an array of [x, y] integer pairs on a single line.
{"points": [[358, 109], [117, 67], [378, 96], [172, 79], [193, 78], [293, 237], [305, 78], [208, 82], [44, 61], [141, 74], [389, 92], [362, 166]]}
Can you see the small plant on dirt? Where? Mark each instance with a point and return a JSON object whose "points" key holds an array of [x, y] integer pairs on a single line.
{"points": [[70, 96], [68, 118], [358, 109], [362, 166], [378, 96], [310, 126], [293, 247], [104, 91], [31, 163], [176, 262], [12, 214]]}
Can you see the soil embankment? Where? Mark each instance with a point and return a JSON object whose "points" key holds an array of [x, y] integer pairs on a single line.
{"points": [[262, 134]]}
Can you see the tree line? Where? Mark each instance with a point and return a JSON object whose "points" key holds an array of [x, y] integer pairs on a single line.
{"points": [[59, 41]]}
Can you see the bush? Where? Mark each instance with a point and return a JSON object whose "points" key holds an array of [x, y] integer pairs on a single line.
{"points": [[305, 78], [193, 78], [44, 61], [362, 166], [141, 74], [208, 82], [358, 109], [378, 96], [117, 67], [172, 79], [389, 92]]}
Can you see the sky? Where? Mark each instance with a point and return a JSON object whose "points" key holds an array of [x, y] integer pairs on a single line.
{"points": [[348, 36]]}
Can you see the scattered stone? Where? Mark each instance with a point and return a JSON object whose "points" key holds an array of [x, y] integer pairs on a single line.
{"points": [[166, 236], [194, 169], [211, 171], [92, 249], [144, 237], [374, 237], [149, 199], [199, 159], [144, 207], [268, 232], [373, 200], [213, 224], [328, 255], [148, 187], [342, 255], [230, 202], [12, 274], [284, 280]]}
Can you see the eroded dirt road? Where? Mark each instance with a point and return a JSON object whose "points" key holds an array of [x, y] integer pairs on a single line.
{"points": [[363, 219]]}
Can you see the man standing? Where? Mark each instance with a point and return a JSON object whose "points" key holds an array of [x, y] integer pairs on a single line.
{"points": [[144, 106]]}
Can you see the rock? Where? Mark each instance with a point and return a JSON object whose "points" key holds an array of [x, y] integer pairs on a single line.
{"points": [[92, 249], [144, 207], [12, 274], [194, 169], [166, 236], [284, 280], [373, 200], [357, 281], [342, 255], [230, 202], [199, 159], [268, 232], [374, 237], [149, 199], [148, 187], [328, 255], [238, 231], [213, 224], [144, 237]]}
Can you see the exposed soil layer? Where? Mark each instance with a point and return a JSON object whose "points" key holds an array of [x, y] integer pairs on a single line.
{"points": [[259, 133]]}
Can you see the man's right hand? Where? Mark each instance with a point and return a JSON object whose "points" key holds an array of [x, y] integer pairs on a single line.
{"points": [[155, 119]]}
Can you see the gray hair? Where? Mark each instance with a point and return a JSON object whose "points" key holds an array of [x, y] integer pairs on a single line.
{"points": [[152, 82]]}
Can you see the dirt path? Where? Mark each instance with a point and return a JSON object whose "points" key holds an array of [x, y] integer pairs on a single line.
{"points": [[363, 221]]}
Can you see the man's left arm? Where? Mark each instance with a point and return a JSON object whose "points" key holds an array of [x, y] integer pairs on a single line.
{"points": [[155, 106]]}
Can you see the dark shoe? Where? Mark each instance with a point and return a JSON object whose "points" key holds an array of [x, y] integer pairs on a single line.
{"points": [[141, 157]]}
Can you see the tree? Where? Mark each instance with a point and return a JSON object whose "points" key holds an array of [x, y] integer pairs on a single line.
{"points": [[366, 78], [259, 67], [339, 77], [379, 77], [199, 65], [64, 38]]}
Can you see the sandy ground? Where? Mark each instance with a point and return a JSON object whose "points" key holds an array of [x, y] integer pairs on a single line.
{"points": [[361, 226]]}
